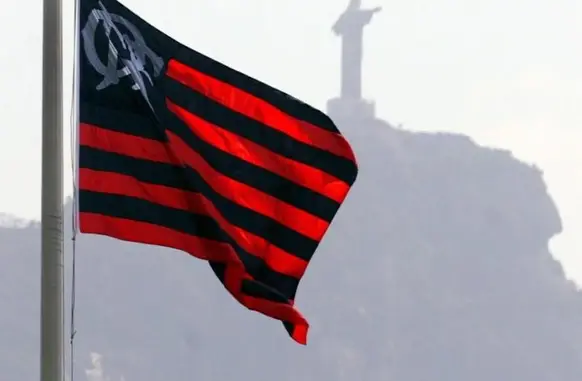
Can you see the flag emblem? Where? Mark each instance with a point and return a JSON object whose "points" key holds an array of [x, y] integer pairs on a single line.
{"points": [[131, 51]]}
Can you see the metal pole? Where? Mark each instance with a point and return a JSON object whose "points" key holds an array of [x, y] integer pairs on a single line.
{"points": [[52, 267]]}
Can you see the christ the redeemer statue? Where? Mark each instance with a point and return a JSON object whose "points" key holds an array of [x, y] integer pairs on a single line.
{"points": [[350, 27]]}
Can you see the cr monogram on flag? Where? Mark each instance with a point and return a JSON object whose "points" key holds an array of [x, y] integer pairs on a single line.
{"points": [[132, 51]]}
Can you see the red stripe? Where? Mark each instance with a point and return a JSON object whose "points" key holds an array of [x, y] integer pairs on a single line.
{"points": [[258, 109], [302, 174], [242, 194], [141, 232], [125, 144], [114, 183]]}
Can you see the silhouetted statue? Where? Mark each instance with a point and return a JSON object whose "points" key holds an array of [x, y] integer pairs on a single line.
{"points": [[350, 26]]}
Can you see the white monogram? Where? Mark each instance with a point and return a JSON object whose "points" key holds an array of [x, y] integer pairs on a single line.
{"points": [[134, 45]]}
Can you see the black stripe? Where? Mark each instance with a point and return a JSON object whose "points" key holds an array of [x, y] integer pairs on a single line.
{"points": [[254, 288], [122, 121], [276, 141], [257, 177], [188, 179], [257, 290], [184, 222]]}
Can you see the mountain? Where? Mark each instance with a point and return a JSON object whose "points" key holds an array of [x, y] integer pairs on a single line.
{"points": [[436, 268]]}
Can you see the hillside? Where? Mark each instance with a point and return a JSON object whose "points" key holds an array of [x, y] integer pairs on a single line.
{"points": [[437, 268]]}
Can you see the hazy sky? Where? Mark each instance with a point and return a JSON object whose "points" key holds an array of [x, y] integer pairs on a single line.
{"points": [[506, 72]]}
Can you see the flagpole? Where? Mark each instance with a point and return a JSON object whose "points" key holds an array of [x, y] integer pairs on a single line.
{"points": [[52, 267]]}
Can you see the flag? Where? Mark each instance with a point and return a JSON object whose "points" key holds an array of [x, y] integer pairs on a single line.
{"points": [[181, 151]]}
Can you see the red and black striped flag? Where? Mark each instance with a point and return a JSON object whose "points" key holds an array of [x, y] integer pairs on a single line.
{"points": [[178, 150]]}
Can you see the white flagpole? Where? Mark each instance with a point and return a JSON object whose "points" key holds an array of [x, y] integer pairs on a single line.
{"points": [[52, 268]]}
